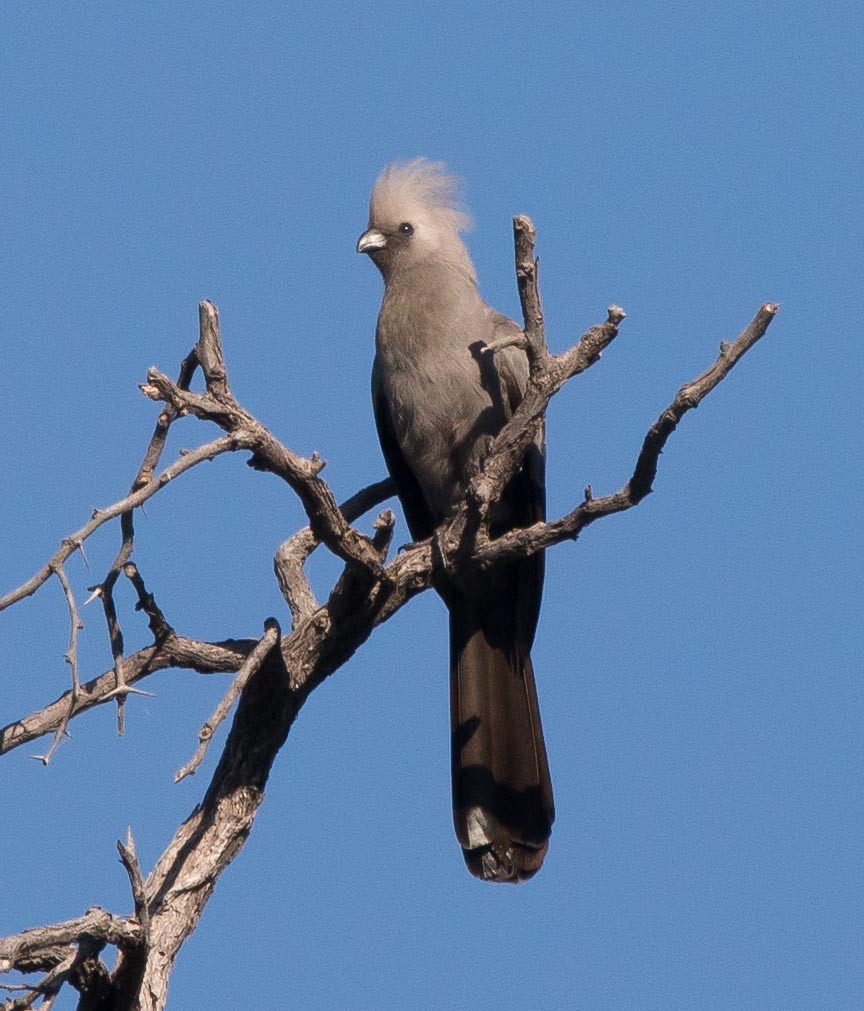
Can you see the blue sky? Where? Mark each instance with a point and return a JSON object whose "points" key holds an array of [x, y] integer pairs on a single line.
{"points": [[699, 658]]}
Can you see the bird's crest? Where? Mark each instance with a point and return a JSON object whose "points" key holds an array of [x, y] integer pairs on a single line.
{"points": [[417, 189]]}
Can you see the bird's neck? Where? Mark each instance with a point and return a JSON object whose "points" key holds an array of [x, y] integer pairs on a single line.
{"points": [[440, 278], [434, 283]]}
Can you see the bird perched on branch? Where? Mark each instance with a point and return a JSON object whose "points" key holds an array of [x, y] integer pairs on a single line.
{"points": [[438, 399]]}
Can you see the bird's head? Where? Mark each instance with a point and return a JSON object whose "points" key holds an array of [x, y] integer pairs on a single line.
{"points": [[415, 218]]}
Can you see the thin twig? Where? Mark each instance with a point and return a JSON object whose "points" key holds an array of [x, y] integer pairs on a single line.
{"points": [[157, 621], [177, 651], [513, 340], [219, 406], [548, 375], [75, 626], [186, 461], [250, 665], [518, 543], [71, 658], [150, 461], [292, 554], [129, 859]]}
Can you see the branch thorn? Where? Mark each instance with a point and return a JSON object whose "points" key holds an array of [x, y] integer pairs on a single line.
{"points": [[122, 690]]}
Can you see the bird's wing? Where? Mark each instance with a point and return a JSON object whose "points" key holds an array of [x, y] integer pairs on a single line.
{"points": [[502, 793], [419, 517], [512, 368], [526, 493]]}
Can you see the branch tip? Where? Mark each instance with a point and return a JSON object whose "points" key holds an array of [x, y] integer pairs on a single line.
{"points": [[248, 668], [524, 225], [385, 520], [518, 340]]}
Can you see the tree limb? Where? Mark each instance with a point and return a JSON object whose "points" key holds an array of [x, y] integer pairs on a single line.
{"points": [[219, 406], [291, 555], [105, 590], [45, 947], [175, 651], [517, 543]]}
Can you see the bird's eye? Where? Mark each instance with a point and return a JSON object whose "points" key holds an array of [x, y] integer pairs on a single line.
{"points": [[406, 228]]}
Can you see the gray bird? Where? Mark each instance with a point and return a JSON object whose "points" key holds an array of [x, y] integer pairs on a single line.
{"points": [[438, 399]]}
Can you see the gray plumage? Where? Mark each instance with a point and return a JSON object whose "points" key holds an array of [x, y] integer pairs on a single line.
{"points": [[438, 399]]}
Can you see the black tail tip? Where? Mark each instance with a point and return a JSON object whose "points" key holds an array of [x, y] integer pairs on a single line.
{"points": [[511, 863]]}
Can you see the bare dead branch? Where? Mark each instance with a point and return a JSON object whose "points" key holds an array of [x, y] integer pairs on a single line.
{"points": [[169, 650], [513, 340], [220, 407], [288, 562], [184, 877], [47, 988], [209, 350], [89, 975], [167, 417], [76, 625], [291, 555], [152, 455], [53, 982], [517, 543], [527, 268], [45, 947], [157, 621], [224, 444], [175, 651], [548, 374], [129, 858], [182, 881], [690, 395]]}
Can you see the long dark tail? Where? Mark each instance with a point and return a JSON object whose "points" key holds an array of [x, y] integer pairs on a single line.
{"points": [[502, 794]]}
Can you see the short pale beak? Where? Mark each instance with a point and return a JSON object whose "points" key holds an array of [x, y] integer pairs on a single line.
{"points": [[371, 240]]}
